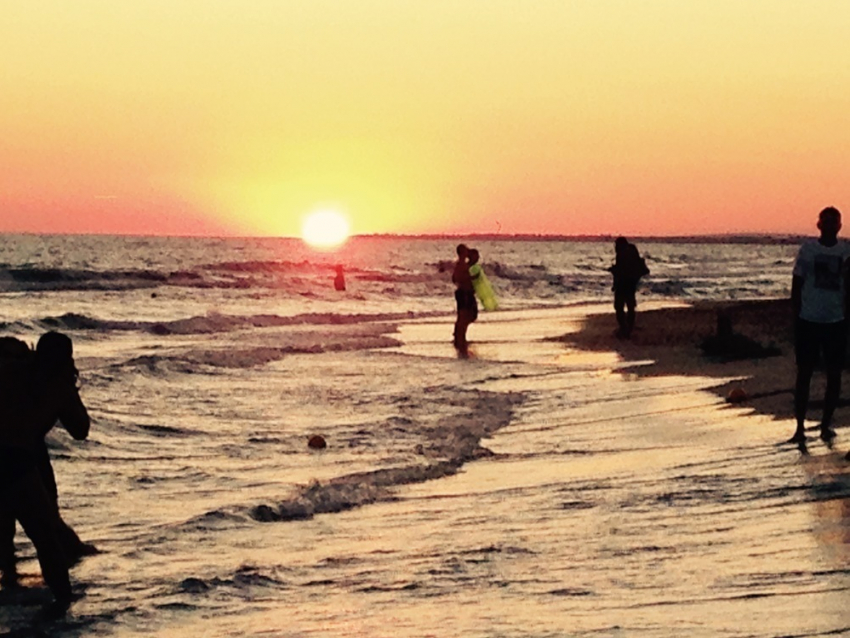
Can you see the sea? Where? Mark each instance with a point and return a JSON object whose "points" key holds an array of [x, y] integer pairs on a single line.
{"points": [[533, 490]]}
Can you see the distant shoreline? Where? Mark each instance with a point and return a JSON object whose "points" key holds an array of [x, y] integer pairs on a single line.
{"points": [[653, 239], [766, 239]]}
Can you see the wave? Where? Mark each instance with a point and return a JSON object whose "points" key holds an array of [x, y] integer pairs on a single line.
{"points": [[16, 327], [243, 274], [528, 273], [446, 448], [36, 278], [215, 323], [443, 448], [166, 431], [277, 275], [196, 360], [245, 579], [499, 270], [676, 272]]}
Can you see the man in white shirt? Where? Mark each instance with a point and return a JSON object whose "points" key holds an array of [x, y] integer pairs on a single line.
{"points": [[819, 294]]}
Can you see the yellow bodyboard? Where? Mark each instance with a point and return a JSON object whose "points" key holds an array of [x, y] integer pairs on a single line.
{"points": [[482, 287]]}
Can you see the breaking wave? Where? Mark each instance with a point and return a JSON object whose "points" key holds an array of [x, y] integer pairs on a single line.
{"points": [[215, 323], [446, 447]]}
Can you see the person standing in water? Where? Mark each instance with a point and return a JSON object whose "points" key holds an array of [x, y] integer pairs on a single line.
{"points": [[339, 279], [35, 392], [628, 268], [467, 307], [819, 296]]}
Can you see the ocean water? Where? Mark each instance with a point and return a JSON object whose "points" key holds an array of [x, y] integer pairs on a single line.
{"points": [[533, 490]]}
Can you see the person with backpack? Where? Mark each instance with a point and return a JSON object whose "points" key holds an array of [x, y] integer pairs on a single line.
{"points": [[37, 390], [628, 268]]}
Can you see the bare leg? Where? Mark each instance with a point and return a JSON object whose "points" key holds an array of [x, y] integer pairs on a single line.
{"points": [[801, 401], [34, 509], [620, 312], [630, 315], [830, 402], [461, 325]]}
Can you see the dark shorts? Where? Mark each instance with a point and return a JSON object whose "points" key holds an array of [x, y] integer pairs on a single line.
{"points": [[466, 303], [624, 292], [812, 339]]}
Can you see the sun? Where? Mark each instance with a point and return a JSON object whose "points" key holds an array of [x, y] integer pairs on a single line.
{"points": [[325, 229]]}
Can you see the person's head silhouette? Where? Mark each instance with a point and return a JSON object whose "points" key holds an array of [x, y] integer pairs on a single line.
{"points": [[13, 348], [620, 244], [55, 355], [829, 223]]}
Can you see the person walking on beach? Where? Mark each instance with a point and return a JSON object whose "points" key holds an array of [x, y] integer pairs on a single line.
{"points": [[628, 268], [819, 298], [35, 392], [467, 307]]}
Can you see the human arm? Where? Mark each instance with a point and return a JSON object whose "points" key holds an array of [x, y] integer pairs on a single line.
{"points": [[801, 269], [797, 294], [60, 401], [74, 417], [846, 268]]}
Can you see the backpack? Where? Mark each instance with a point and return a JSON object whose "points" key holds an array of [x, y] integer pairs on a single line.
{"points": [[12, 348]]}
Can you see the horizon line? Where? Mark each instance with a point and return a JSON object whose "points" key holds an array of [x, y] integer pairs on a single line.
{"points": [[579, 237]]}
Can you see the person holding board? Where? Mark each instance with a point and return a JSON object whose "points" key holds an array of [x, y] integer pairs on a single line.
{"points": [[467, 307], [480, 283]]}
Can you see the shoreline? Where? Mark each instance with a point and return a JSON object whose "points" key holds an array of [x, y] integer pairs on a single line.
{"points": [[671, 339]]}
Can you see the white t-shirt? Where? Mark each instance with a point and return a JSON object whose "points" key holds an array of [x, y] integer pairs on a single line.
{"points": [[824, 271]]}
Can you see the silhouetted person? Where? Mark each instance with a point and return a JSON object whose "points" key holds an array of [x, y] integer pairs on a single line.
{"points": [[339, 280], [467, 307], [13, 349], [819, 297], [628, 268], [35, 392], [55, 353], [54, 358]]}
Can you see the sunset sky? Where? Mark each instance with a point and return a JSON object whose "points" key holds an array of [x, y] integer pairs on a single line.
{"points": [[452, 116]]}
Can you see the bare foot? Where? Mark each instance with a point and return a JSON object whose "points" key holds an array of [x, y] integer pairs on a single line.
{"points": [[799, 437], [827, 434]]}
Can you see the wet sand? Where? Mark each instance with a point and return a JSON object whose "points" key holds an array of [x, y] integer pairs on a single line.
{"points": [[671, 338], [631, 499]]}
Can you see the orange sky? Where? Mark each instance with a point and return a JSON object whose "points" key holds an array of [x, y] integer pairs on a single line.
{"points": [[547, 116]]}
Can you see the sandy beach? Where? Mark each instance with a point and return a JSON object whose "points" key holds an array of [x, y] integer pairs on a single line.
{"points": [[667, 341], [647, 504]]}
